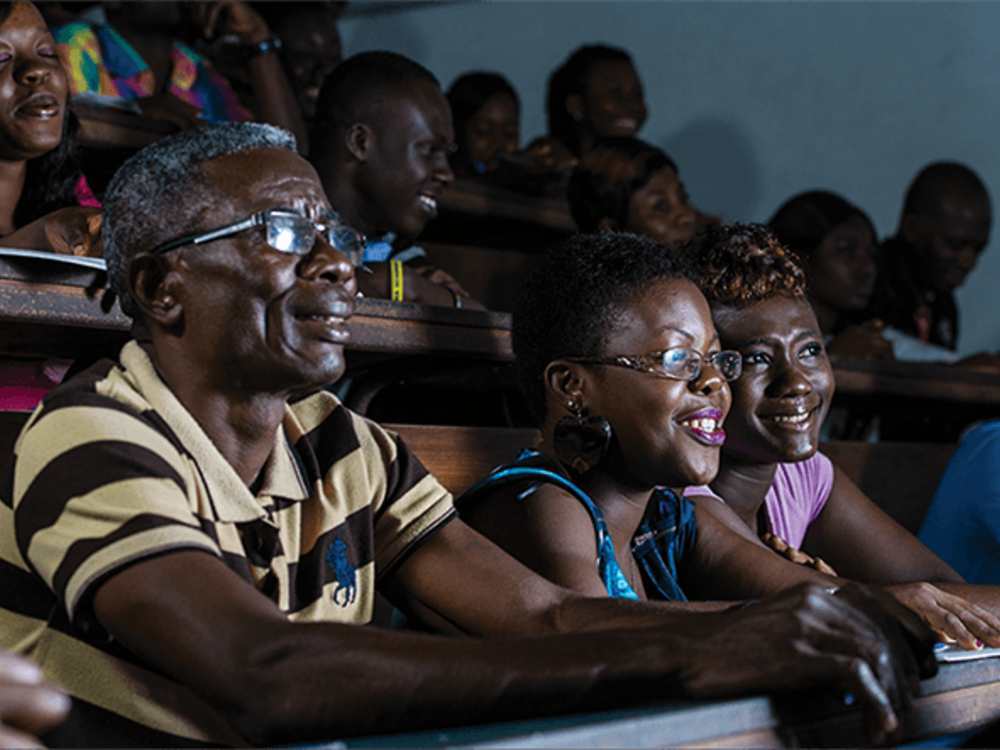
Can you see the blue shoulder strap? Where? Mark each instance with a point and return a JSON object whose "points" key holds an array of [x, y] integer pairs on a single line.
{"points": [[533, 465]]}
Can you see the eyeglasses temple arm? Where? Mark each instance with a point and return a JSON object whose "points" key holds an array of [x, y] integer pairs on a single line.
{"points": [[199, 239]]}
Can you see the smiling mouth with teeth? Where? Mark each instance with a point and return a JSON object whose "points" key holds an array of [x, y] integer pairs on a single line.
{"points": [[791, 419], [429, 203], [707, 428]]}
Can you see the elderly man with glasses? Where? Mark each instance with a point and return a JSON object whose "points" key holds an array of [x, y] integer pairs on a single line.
{"points": [[197, 531]]}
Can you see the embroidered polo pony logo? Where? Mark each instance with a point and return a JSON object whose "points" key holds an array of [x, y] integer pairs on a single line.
{"points": [[343, 571]]}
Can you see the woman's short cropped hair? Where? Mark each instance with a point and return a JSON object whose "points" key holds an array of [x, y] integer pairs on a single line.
{"points": [[805, 219], [573, 298], [742, 264], [603, 181]]}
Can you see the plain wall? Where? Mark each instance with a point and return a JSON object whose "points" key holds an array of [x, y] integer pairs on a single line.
{"points": [[757, 101]]}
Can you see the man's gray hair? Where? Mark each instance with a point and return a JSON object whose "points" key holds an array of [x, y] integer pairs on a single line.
{"points": [[159, 193]]}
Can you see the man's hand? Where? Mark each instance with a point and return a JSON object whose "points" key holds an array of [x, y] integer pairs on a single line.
{"points": [[545, 154], [237, 18], [28, 706], [807, 637], [952, 617], [864, 340]]}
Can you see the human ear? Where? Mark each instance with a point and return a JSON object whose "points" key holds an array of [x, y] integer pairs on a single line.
{"points": [[358, 140], [607, 224], [564, 382], [574, 106], [151, 281]]}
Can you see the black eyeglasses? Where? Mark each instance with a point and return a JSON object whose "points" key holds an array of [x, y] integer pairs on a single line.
{"points": [[677, 364], [287, 232]]}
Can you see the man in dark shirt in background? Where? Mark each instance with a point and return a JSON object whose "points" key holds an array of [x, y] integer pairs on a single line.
{"points": [[944, 227]]}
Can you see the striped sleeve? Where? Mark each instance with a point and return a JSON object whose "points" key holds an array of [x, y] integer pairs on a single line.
{"points": [[362, 465], [96, 488], [413, 505]]}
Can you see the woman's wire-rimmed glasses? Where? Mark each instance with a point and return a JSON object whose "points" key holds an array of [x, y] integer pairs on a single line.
{"points": [[678, 363]]}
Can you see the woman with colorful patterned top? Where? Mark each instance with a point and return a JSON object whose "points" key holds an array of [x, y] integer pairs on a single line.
{"points": [[134, 57]]}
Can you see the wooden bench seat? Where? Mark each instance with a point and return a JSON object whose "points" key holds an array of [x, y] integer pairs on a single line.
{"points": [[900, 477]]}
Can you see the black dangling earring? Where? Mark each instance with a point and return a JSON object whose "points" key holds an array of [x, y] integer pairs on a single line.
{"points": [[580, 442]]}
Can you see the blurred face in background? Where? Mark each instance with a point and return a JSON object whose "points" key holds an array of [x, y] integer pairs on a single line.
{"points": [[843, 267], [660, 209], [495, 128]]}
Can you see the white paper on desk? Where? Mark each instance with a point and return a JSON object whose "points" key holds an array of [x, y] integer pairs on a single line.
{"points": [[947, 652], [73, 260]]}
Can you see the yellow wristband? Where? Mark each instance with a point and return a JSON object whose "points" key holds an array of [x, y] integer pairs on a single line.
{"points": [[396, 272]]}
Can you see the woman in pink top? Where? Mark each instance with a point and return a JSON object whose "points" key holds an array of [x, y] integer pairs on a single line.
{"points": [[44, 201], [40, 185], [772, 479]]}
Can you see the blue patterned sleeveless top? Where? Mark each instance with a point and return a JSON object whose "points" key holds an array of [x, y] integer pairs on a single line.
{"points": [[666, 533]]}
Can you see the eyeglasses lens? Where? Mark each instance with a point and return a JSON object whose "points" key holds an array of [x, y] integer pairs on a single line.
{"points": [[685, 364], [682, 364], [347, 241], [290, 234]]}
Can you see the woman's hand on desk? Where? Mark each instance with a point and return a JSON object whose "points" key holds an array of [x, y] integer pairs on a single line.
{"points": [[69, 231], [952, 617]]}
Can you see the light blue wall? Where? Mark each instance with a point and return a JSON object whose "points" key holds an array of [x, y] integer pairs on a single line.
{"points": [[757, 100]]}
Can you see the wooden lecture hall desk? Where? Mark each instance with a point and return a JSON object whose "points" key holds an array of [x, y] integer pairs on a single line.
{"points": [[51, 307], [960, 698]]}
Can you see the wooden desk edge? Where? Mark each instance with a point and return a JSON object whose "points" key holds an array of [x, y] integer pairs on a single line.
{"points": [[962, 697]]}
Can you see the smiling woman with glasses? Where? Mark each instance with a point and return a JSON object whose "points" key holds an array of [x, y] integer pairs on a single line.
{"points": [[599, 505]]}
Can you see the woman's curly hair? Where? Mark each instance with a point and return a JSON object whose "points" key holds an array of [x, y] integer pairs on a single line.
{"points": [[742, 264], [574, 297]]}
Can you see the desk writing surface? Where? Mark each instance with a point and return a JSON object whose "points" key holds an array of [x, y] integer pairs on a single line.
{"points": [[961, 697]]}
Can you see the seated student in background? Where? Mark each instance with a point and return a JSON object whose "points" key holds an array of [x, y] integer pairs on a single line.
{"points": [[837, 246], [944, 226], [310, 45], [380, 144], [626, 185], [28, 705], [486, 114], [596, 92], [962, 524], [772, 480], [195, 540], [44, 201], [137, 57], [621, 366]]}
